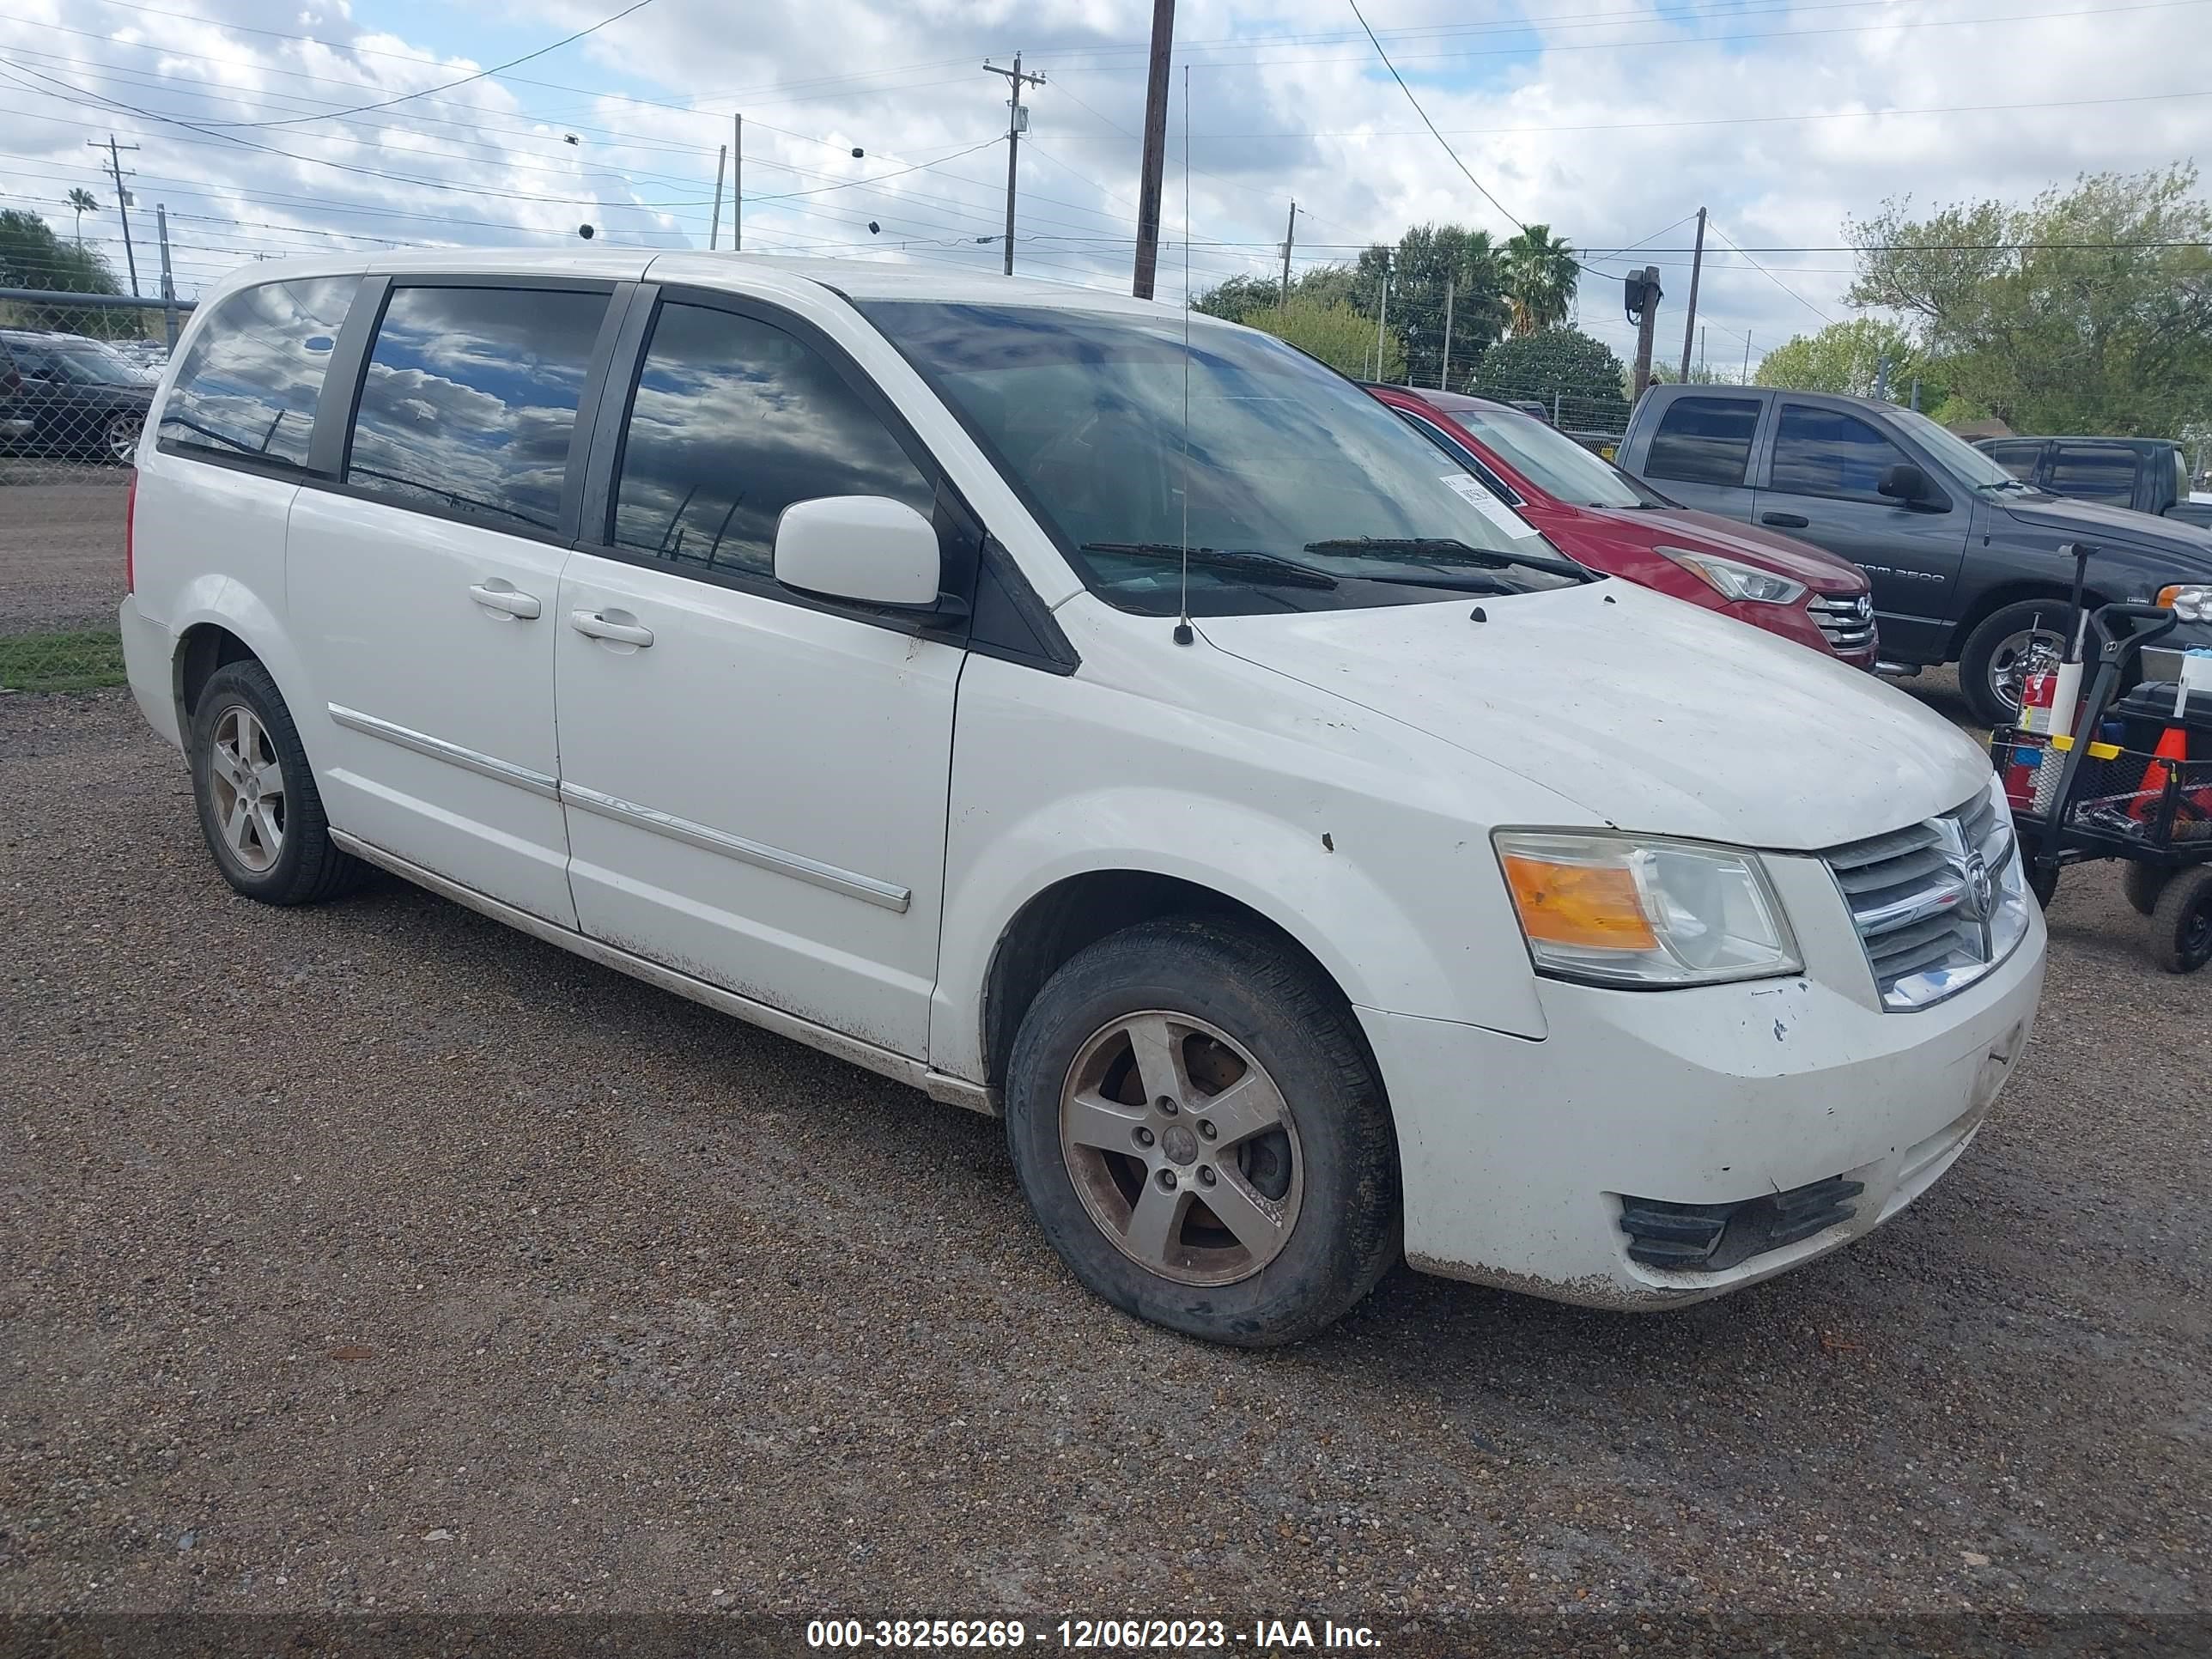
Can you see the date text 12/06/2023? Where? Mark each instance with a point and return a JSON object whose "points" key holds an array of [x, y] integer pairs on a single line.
{"points": [[1110, 1635]]}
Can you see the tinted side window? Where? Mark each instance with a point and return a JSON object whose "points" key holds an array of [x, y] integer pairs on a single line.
{"points": [[248, 386], [1824, 452], [734, 420], [2019, 460], [470, 400], [1704, 440], [2094, 472]]}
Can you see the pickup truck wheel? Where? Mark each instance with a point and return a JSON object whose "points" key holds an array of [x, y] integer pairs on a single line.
{"points": [[2000, 653], [2143, 884], [1197, 1126], [2181, 924], [259, 806]]}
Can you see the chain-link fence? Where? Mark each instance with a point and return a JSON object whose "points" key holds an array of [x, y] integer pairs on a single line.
{"points": [[76, 376]]}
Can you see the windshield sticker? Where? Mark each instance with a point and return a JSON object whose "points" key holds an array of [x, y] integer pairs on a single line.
{"points": [[1470, 489]]}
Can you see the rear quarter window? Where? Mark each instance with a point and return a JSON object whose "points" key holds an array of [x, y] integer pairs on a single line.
{"points": [[249, 385], [1704, 440]]}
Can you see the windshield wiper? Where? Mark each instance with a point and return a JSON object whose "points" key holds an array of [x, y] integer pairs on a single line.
{"points": [[1288, 571], [2005, 484], [1448, 549]]}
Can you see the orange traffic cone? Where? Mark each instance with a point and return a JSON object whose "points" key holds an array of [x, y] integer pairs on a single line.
{"points": [[2172, 749]]}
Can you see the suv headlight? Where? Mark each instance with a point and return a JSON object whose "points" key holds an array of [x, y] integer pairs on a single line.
{"points": [[1642, 910], [1733, 579], [2190, 601]]}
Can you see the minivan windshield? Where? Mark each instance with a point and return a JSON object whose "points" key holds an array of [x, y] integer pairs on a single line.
{"points": [[1304, 492], [1553, 461]]}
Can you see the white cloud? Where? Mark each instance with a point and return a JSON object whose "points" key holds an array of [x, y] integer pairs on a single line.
{"points": [[1618, 126]]}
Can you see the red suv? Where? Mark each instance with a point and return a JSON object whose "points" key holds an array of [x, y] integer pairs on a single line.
{"points": [[1601, 516]]}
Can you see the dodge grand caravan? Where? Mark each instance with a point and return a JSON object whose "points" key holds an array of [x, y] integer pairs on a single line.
{"points": [[1309, 873]]}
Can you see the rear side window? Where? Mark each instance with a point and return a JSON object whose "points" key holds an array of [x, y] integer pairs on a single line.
{"points": [[469, 401], [248, 386], [1704, 440], [2094, 472], [734, 420], [2019, 460], [1824, 452]]}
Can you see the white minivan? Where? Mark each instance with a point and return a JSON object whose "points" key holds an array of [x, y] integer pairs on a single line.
{"points": [[1109, 719]]}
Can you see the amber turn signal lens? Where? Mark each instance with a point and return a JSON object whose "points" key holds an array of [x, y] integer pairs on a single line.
{"points": [[1593, 907]]}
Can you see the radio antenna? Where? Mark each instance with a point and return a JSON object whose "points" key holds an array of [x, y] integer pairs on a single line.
{"points": [[1183, 634]]}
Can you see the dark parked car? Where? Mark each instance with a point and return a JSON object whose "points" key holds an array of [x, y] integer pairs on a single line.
{"points": [[62, 395], [1964, 558], [2147, 474]]}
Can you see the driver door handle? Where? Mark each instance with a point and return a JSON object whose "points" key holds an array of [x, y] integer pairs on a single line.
{"points": [[506, 599], [592, 625], [1785, 520]]}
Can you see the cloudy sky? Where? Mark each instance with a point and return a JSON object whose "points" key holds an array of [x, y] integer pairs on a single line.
{"points": [[267, 127]]}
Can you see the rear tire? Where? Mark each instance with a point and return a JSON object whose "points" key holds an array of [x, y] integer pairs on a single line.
{"points": [[259, 806], [2143, 884], [2181, 925], [1197, 1125]]}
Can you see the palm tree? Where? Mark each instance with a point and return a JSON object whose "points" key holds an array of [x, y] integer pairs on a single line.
{"points": [[1540, 275], [82, 202]]}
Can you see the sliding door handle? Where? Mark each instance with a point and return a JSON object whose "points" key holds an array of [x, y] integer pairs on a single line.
{"points": [[596, 625]]}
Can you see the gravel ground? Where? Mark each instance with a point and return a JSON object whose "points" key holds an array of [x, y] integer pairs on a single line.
{"points": [[61, 546], [375, 1257]]}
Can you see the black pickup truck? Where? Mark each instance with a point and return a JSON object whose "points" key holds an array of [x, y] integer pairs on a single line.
{"points": [[2145, 475], [1969, 564]]}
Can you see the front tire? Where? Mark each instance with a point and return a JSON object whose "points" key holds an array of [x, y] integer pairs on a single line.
{"points": [[1197, 1126], [1999, 651], [2181, 925], [259, 806]]}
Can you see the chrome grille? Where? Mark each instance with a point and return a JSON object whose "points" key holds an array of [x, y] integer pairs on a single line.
{"points": [[1937, 904], [1846, 619]]}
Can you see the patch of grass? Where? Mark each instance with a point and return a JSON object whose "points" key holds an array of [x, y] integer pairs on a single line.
{"points": [[77, 661]]}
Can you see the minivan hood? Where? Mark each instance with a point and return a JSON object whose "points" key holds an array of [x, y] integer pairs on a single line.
{"points": [[2092, 520], [1654, 715], [1709, 532]]}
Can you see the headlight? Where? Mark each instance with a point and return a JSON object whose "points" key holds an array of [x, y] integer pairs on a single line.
{"points": [[1631, 910], [2190, 601], [1733, 579]]}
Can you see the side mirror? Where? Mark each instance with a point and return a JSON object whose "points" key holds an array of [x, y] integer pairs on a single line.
{"points": [[1905, 482], [866, 548]]}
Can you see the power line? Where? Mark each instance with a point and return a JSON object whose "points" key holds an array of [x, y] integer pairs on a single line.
{"points": [[1772, 278]]}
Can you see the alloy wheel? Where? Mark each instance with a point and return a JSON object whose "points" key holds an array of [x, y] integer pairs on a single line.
{"points": [[2031, 650], [123, 439], [1181, 1148], [248, 786]]}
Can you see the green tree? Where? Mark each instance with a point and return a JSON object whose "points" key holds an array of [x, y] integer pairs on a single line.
{"points": [[1236, 299], [1540, 279], [81, 202], [1581, 372], [2088, 310], [1433, 268], [32, 256], [1336, 334], [1847, 357]]}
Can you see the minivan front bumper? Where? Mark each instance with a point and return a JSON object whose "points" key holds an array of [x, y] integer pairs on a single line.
{"points": [[1521, 1157]]}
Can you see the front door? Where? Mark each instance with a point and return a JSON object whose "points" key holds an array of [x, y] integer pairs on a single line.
{"points": [[1820, 485], [426, 592], [754, 783]]}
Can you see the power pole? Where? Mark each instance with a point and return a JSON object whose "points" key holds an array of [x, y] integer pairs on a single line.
{"points": [[1016, 119], [1443, 368], [1382, 312], [1641, 298], [714, 224], [1155, 151], [168, 287], [1290, 232], [1881, 379], [1696, 270], [1746, 359], [122, 200], [738, 187]]}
